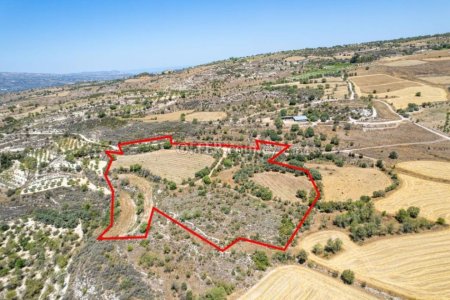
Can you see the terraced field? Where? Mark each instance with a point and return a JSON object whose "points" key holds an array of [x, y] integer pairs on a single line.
{"points": [[295, 282]]}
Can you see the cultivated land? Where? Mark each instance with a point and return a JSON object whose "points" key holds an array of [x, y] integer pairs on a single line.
{"points": [[189, 115], [173, 164], [284, 186], [431, 196], [398, 91], [294, 282], [340, 184], [416, 266], [434, 170]]}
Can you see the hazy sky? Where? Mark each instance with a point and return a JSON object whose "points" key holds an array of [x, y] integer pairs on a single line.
{"points": [[60, 37]]}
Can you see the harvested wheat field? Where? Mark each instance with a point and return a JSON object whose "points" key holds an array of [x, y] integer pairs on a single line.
{"points": [[284, 186], [205, 116], [294, 58], [404, 63], [170, 164], [433, 198], [295, 282], [436, 79], [402, 97], [380, 83], [434, 170], [417, 265], [127, 216], [340, 184], [190, 115]]}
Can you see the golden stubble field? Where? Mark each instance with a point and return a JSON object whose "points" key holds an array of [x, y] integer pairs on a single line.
{"points": [[416, 266], [340, 184], [396, 90], [190, 115], [171, 164], [283, 185], [295, 282], [425, 184]]}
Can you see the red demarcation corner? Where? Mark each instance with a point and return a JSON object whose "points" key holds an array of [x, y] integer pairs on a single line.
{"points": [[257, 147]]}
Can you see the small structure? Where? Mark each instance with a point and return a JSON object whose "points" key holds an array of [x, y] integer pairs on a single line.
{"points": [[298, 118]]}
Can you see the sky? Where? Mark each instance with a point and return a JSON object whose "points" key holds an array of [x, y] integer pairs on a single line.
{"points": [[74, 36]]}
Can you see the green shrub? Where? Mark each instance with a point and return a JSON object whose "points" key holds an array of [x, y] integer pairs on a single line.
{"points": [[261, 260], [348, 277]]}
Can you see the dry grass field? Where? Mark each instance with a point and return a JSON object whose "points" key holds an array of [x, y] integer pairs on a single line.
{"points": [[399, 91], [436, 79], [417, 266], [433, 117], [404, 63], [170, 164], [380, 83], [294, 58], [383, 111], [190, 115], [145, 187], [282, 185], [433, 198], [127, 216], [344, 183], [205, 116], [433, 169], [226, 176], [401, 98], [295, 282]]}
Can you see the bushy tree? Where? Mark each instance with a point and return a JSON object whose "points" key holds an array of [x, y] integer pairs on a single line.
{"points": [[348, 277], [302, 256], [261, 260], [393, 155]]}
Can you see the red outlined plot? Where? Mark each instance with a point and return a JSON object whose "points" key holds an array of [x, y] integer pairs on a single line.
{"points": [[257, 147]]}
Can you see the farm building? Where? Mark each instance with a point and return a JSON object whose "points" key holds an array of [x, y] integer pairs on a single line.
{"points": [[298, 118]]}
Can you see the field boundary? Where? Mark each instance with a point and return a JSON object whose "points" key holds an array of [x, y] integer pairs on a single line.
{"points": [[257, 147]]}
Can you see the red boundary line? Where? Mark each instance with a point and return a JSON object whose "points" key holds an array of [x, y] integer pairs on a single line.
{"points": [[257, 147]]}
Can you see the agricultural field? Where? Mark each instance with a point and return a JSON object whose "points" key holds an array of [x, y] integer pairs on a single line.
{"points": [[380, 83], [415, 266], [340, 184], [284, 186], [401, 98], [189, 115], [436, 79], [294, 282], [171, 164], [434, 170], [398, 91], [424, 184]]}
